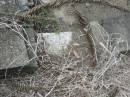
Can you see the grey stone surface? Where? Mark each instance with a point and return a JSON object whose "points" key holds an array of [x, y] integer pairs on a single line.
{"points": [[13, 51], [31, 37], [119, 27], [56, 43], [97, 11], [99, 33], [22, 4], [67, 46], [121, 4], [7, 7]]}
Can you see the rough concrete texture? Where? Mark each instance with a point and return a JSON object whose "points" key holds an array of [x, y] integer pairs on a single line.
{"points": [[66, 46], [13, 51], [56, 43], [118, 27], [69, 75], [31, 37], [22, 4], [97, 11], [99, 33], [124, 4], [7, 7]]}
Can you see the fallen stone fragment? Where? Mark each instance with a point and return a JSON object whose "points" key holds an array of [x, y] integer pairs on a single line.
{"points": [[114, 32], [66, 46], [30, 36], [22, 4], [56, 43], [119, 4], [99, 33], [13, 51], [119, 31]]}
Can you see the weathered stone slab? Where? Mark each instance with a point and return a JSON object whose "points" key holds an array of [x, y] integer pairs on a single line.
{"points": [[113, 31], [66, 46], [99, 33], [31, 37], [22, 4], [7, 8], [98, 11], [118, 27], [120, 4], [56, 43], [13, 51]]}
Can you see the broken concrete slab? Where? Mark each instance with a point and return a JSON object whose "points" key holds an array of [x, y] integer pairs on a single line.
{"points": [[22, 4], [7, 7], [118, 28], [123, 5], [113, 32], [31, 47], [13, 51], [118, 2], [98, 11], [66, 46], [56, 43], [99, 33]]}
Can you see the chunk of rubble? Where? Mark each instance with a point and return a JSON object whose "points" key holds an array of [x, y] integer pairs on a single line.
{"points": [[119, 4], [98, 11], [119, 30], [56, 43], [13, 51], [66, 46], [99, 33], [114, 31]]}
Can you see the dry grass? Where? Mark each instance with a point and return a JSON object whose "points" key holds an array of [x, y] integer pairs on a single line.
{"points": [[62, 76]]}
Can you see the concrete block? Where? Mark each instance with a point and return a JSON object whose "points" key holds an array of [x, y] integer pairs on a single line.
{"points": [[97, 12], [123, 5], [65, 46], [56, 43], [119, 29], [99, 33], [13, 51]]}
